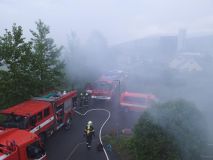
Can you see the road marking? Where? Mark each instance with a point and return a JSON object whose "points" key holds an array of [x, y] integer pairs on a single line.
{"points": [[76, 146], [100, 138], [74, 149], [44, 156]]}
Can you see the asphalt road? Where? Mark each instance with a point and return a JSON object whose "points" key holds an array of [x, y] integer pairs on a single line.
{"points": [[67, 145], [70, 145]]}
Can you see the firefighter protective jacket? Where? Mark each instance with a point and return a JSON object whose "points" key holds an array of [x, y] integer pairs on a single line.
{"points": [[89, 130]]}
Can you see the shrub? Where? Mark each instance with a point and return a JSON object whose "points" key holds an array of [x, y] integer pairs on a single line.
{"points": [[170, 131]]}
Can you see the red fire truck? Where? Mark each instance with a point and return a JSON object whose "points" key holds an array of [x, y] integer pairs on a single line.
{"points": [[16, 144], [131, 101], [42, 115], [108, 86], [104, 89]]}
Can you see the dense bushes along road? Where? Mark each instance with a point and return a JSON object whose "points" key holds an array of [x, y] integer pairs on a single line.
{"points": [[171, 131]]}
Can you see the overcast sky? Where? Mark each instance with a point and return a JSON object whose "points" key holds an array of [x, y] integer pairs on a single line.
{"points": [[117, 20]]}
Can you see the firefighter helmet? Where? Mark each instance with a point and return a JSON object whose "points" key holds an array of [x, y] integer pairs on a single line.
{"points": [[89, 123]]}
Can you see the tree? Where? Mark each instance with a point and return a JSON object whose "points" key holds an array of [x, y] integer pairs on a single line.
{"points": [[81, 65], [48, 68], [15, 73], [74, 61], [172, 131], [97, 52]]}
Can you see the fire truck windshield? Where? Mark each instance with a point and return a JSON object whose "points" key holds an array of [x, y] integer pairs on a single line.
{"points": [[14, 121], [103, 86]]}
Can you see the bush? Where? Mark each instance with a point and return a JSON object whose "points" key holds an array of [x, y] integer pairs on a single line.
{"points": [[120, 146], [169, 131]]}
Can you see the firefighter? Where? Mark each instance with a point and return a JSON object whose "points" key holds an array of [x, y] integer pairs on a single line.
{"points": [[89, 133], [86, 99]]}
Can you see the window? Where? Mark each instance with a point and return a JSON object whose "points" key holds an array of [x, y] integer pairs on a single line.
{"points": [[46, 112], [14, 121], [33, 120], [39, 116]]}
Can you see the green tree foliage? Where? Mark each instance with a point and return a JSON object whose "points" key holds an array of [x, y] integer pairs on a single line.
{"points": [[16, 67], [169, 131], [48, 68], [28, 68]]}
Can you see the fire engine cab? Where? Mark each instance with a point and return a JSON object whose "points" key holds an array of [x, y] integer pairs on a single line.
{"points": [[16, 144], [42, 115], [108, 86], [104, 90]]}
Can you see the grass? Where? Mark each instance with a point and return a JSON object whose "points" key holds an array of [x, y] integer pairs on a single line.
{"points": [[120, 146]]}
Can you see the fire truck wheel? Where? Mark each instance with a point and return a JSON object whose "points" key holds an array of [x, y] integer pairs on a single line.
{"points": [[43, 137], [68, 123]]}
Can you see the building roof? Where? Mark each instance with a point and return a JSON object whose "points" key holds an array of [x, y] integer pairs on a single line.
{"points": [[27, 108], [185, 63]]}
